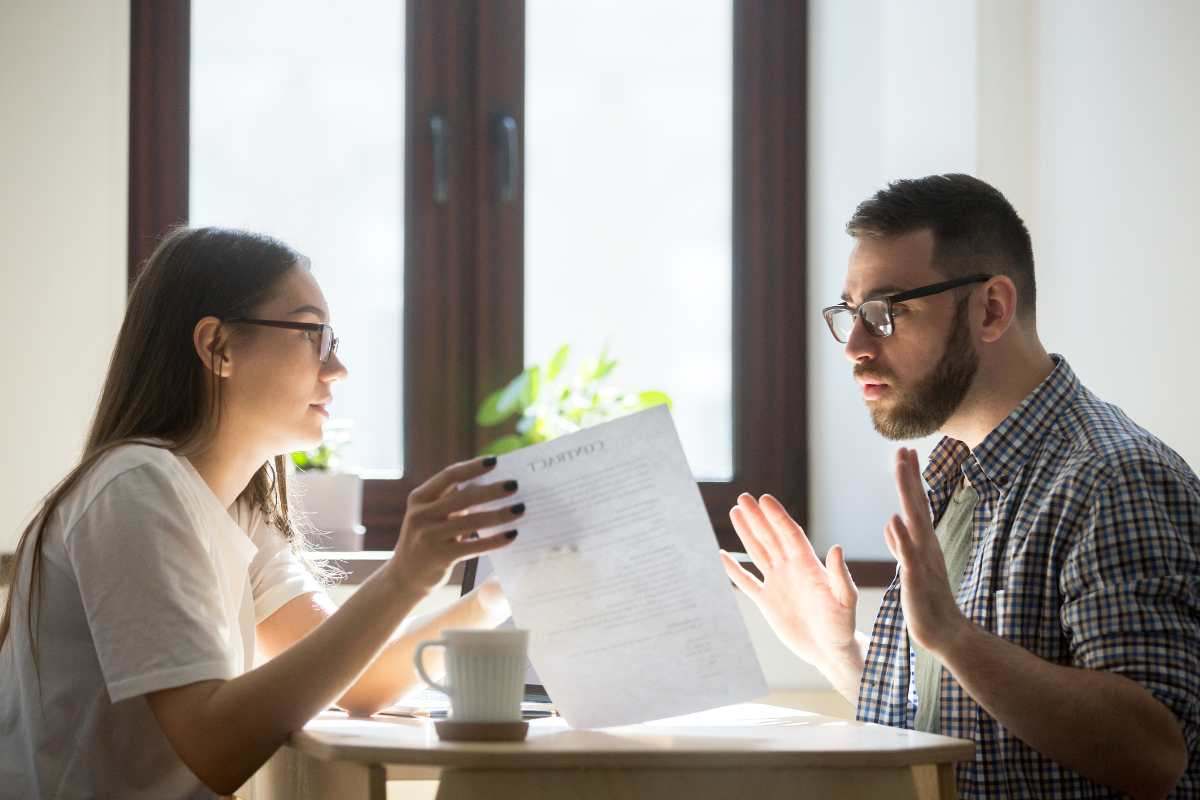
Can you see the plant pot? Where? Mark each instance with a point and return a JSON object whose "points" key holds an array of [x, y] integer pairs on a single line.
{"points": [[332, 503]]}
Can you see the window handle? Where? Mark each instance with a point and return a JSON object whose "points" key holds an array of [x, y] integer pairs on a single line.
{"points": [[510, 153], [441, 155]]}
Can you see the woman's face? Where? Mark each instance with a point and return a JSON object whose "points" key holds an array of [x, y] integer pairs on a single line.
{"points": [[278, 391]]}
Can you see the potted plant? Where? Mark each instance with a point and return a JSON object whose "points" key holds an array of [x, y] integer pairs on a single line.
{"points": [[550, 402], [329, 496]]}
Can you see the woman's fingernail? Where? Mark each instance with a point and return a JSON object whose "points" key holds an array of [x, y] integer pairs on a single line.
{"points": [[510, 486], [518, 509], [510, 535], [490, 461], [472, 535]]}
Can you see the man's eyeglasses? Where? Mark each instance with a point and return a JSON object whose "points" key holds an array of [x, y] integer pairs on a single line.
{"points": [[329, 342], [877, 314]]}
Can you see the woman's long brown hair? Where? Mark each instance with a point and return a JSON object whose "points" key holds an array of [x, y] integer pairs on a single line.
{"points": [[156, 391]]}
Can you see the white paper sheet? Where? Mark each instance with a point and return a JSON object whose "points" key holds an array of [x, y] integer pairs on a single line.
{"points": [[616, 575]]}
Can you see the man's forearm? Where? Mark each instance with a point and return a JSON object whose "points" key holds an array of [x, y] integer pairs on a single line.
{"points": [[1104, 726]]}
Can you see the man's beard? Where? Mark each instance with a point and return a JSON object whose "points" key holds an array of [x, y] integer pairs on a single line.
{"points": [[923, 409]]}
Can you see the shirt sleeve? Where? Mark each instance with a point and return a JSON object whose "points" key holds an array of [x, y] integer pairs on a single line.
{"points": [[149, 587], [277, 574], [1131, 588]]}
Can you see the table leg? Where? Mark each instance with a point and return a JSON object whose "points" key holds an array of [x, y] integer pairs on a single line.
{"points": [[935, 782], [292, 775]]}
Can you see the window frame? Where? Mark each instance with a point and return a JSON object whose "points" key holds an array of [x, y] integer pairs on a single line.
{"points": [[465, 308]]}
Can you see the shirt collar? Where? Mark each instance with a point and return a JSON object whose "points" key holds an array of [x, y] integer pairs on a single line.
{"points": [[234, 536], [1003, 451]]}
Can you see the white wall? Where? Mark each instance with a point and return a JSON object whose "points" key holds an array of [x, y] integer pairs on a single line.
{"points": [[1084, 114], [1118, 192], [64, 70]]}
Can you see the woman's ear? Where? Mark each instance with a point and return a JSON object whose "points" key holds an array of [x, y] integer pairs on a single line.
{"points": [[210, 342], [999, 307]]}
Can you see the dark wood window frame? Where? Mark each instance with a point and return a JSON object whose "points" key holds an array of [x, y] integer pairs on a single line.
{"points": [[468, 313]]}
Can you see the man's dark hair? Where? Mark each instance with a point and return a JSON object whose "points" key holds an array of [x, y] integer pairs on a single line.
{"points": [[975, 229]]}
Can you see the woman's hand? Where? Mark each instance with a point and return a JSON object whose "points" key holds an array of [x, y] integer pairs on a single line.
{"points": [[492, 600], [438, 532]]}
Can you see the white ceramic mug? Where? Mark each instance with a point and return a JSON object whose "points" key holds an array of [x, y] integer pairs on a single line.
{"points": [[485, 672]]}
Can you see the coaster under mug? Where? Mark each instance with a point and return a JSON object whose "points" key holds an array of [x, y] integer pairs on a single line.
{"points": [[450, 731]]}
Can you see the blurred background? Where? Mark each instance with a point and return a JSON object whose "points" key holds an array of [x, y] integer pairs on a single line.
{"points": [[478, 184]]}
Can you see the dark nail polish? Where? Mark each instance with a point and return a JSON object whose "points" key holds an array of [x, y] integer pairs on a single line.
{"points": [[510, 535], [518, 509], [472, 535], [510, 486], [489, 462]]}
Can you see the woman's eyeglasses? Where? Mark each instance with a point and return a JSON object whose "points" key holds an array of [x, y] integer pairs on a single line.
{"points": [[329, 342], [877, 315]]}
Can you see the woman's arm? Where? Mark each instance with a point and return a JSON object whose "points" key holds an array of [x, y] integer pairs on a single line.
{"points": [[392, 673], [225, 730]]}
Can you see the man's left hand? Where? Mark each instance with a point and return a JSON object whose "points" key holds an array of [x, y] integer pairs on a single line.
{"points": [[931, 613]]}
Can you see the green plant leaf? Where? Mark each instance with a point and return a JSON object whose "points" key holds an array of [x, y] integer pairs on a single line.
{"points": [[505, 444], [532, 387], [558, 362], [503, 403], [489, 413], [604, 366]]}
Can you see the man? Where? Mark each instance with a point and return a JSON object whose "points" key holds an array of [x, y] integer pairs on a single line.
{"points": [[1047, 599]]}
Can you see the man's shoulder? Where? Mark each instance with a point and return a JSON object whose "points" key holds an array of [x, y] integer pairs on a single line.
{"points": [[1097, 443]]}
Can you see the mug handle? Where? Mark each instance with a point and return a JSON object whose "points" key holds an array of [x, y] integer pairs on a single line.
{"points": [[421, 669]]}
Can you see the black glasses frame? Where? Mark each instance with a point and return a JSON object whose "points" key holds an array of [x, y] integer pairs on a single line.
{"points": [[326, 331], [888, 327]]}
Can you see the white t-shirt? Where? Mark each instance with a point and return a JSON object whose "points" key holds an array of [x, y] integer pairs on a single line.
{"points": [[147, 583]]}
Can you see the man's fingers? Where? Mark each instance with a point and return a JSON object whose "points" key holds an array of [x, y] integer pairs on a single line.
{"points": [[742, 579], [840, 580], [913, 501], [756, 521], [900, 543], [742, 527], [461, 472], [892, 546], [793, 540]]}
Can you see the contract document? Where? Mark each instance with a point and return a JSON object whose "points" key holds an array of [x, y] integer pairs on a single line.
{"points": [[616, 576]]}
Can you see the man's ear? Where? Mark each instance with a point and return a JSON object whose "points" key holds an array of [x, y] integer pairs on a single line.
{"points": [[999, 297], [209, 339]]}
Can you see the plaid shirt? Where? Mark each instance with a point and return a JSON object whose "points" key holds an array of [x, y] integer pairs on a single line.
{"points": [[1086, 543]]}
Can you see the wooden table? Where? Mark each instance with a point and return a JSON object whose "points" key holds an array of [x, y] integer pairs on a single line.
{"points": [[749, 750]]}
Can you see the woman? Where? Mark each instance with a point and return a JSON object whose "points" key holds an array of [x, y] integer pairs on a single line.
{"points": [[166, 560]]}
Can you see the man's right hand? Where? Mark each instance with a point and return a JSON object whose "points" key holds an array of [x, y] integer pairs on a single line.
{"points": [[810, 606]]}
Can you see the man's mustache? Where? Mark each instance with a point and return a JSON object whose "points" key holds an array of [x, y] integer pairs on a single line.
{"points": [[872, 376]]}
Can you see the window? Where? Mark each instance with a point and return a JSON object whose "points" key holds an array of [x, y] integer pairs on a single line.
{"points": [[477, 182]]}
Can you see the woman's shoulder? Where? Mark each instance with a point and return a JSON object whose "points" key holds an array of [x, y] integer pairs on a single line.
{"points": [[136, 466], [124, 458]]}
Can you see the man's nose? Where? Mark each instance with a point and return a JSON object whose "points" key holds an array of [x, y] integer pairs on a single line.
{"points": [[860, 344]]}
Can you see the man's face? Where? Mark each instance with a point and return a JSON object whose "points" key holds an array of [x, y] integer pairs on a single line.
{"points": [[915, 379]]}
